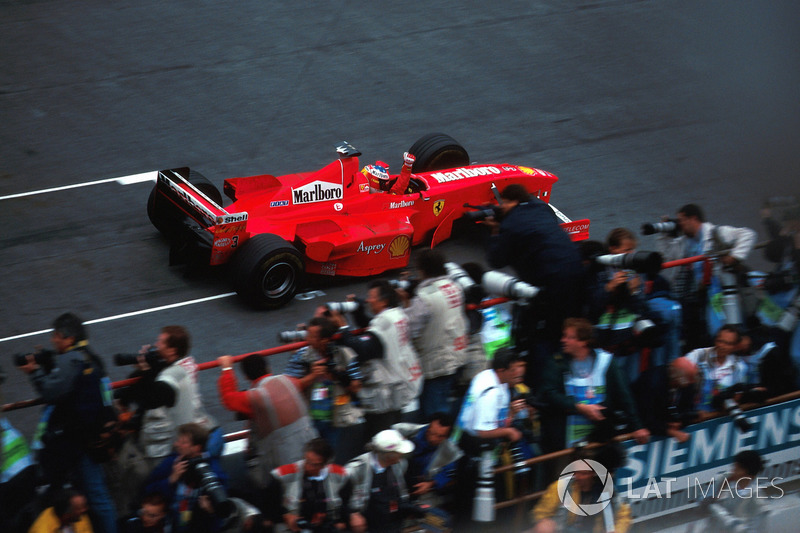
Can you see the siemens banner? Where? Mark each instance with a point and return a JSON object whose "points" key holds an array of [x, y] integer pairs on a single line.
{"points": [[665, 476]]}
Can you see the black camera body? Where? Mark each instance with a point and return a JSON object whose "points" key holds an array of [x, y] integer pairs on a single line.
{"points": [[44, 358], [482, 212], [151, 356], [199, 475]]}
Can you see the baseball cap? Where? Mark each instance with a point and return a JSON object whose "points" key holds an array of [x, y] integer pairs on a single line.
{"points": [[390, 440]]}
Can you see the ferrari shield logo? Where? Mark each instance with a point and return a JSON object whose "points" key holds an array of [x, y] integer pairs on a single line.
{"points": [[438, 205]]}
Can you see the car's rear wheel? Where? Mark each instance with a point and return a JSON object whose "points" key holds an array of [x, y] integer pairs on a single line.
{"points": [[267, 271], [438, 151]]}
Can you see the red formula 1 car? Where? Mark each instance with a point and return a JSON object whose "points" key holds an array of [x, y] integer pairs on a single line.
{"points": [[331, 221]]}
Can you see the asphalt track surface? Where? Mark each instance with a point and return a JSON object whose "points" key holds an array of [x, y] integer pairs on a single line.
{"points": [[637, 106]]}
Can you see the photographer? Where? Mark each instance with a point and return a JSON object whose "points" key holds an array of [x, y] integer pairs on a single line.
{"points": [[280, 424], [529, 238], [392, 374], [331, 377], [487, 409], [312, 494], [166, 396], [719, 367], [380, 500], [666, 398], [586, 393], [691, 237], [193, 482], [432, 464], [634, 321], [18, 473], [167, 392], [438, 329], [57, 378]]}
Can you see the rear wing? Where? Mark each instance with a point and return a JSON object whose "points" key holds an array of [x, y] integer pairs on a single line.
{"points": [[229, 230], [578, 230]]}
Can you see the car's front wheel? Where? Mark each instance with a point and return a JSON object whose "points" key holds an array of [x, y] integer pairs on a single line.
{"points": [[267, 271]]}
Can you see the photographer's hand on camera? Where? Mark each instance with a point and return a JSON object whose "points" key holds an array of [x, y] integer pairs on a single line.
{"points": [[592, 412], [493, 224], [31, 366], [423, 487], [179, 468]]}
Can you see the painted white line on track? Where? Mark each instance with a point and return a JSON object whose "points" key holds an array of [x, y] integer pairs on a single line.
{"points": [[124, 180], [127, 315]]}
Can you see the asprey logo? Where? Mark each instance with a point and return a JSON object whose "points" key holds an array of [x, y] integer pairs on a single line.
{"points": [[317, 191], [585, 467], [370, 248]]}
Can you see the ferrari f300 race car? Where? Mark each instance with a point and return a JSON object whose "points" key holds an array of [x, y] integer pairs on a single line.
{"points": [[330, 221]]}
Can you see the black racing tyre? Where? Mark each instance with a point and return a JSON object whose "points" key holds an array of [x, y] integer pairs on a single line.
{"points": [[157, 215], [267, 271], [437, 151]]}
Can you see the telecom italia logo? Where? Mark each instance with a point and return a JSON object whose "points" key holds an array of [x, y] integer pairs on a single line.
{"points": [[587, 509]]}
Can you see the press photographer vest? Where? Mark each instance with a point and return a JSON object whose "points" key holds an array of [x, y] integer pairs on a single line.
{"points": [[443, 339], [361, 473], [291, 476], [160, 425], [589, 390], [14, 453], [281, 425], [398, 370]]}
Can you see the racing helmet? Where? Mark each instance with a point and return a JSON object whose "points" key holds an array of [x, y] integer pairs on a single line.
{"points": [[378, 175]]}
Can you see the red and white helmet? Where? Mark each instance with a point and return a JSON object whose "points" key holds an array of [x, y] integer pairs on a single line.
{"points": [[377, 174]]}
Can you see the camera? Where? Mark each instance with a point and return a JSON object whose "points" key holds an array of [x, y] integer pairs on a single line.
{"points": [[669, 227], [151, 356], [642, 262], [199, 475], [409, 285], [500, 284], [724, 402], [44, 358], [482, 212], [296, 335]]}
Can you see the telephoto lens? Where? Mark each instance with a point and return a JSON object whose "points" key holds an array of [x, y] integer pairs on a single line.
{"points": [[642, 262], [295, 335], [501, 284], [668, 226], [344, 307]]}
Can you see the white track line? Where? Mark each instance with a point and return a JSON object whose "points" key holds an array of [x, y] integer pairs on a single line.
{"points": [[124, 180], [127, 315]]}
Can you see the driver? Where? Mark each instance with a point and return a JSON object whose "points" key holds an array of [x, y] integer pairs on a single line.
{"points": [[380, 181], [378, 176]]}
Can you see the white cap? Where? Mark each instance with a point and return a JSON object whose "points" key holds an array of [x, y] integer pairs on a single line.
{"points": [[390, 440]]}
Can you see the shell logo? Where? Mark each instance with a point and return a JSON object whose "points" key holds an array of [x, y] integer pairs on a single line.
{"points": [[527, 170], [399, 246]]}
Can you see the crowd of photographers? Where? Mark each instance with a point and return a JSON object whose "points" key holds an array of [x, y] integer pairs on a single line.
{"points": [[596, 341]]}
